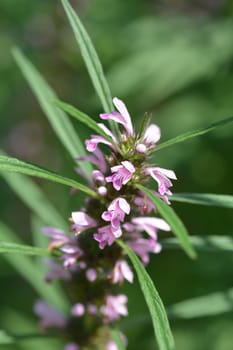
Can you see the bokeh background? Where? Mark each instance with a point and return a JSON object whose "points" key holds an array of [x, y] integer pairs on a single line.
{"points": [[172, 58]]}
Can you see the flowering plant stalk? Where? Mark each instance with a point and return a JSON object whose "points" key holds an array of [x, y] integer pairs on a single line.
{"points": [[120, 217]]}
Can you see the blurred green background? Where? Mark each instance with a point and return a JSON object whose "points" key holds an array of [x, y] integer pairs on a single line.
{"points": [[172, 58]]}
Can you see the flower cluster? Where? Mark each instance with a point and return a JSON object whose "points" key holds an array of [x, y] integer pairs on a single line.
{"points": [[92, 265]]}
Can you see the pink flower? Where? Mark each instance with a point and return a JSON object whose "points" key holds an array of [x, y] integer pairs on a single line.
{"points": [[115, 307], [143, 203], [91, 144], [96, 158], [106, 236], [71, 346], [78, 310], [151, 225], [58, 237], [121, 174], [57, 271], [67, 244], [122, 271], [98, 176], [149, 139], [49, 317], [116, 212], [91, 275], [162, 177], [122, 117], [82, 221], [143, 247]]}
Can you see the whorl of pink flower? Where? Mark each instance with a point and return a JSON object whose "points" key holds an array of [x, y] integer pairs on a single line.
{"points": [[50, 318], [150, 224], [122, 272], [116, 212], [122, 117], [114, 307], [121, 174], [162, 177]]}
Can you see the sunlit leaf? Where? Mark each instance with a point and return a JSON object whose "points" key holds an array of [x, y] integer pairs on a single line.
{"points": [[6, 338], [58, 119], [191, 134], [28, 269], [207, 305], [6, 247], [204, 306], [156, 308], [209, 199], [204, 243], [172, 219], [10, 338], [18, 166], [35, 199], [90, 57]]}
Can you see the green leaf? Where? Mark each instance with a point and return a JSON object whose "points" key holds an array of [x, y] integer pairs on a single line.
{"points": [[172, 219], [35, 199], [216, 200], [6, 247], [204, 243], [204, 306], [191, 134], [6, 338], [27, 268], [83, 118], [207, 305], [116, 337], [10, 338], [90, 57], [18, 166], [154, 302], [58, 120]]}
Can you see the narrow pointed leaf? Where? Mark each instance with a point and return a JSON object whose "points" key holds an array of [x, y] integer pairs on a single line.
{"points": [[207, 305], [116, 337], [83, 118], [204, 243], [28, 269], [58, 119], [10, 338], [90, 57], [35, 199], [209, 199], [6, 247], [18, 166], [172, 219], [158, 314], [191, 134], [204, 306]]}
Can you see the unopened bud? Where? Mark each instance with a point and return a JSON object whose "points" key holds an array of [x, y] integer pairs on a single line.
{"points": [[141, 148], [102, 190]]}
